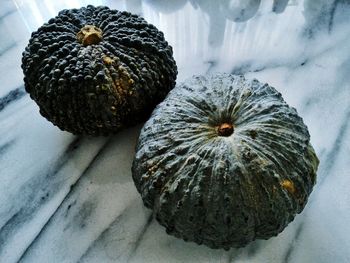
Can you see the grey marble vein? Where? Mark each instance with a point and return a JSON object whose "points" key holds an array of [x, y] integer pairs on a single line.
{"points": [[6, 7], [76, 212], [331, 157], [142, 233], [110, 245], [321, 15], [331, 168], [34, 198], [11, 97], [327, 164], [73, 146], [3, 15], [34, 195], [6, 146]]}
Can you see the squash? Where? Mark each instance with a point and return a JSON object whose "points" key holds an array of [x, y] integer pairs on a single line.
{"points": [[224, 161], [95, 70]]}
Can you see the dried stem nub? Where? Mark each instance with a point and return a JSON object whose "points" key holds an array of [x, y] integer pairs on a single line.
{"points": [[89, 35], [225, 129]]}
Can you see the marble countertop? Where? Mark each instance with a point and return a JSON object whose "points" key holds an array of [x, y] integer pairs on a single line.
{"points": [[65, 198]]}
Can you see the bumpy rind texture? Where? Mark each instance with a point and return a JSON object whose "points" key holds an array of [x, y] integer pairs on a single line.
{"points": [[224, 191], [99, 88]]}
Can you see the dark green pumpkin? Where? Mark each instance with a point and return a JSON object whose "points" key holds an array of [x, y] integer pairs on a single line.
{"points": [[224, 161], [95, 70]]}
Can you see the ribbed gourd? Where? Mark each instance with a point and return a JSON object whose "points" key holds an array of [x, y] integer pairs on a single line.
{"points": [[95, 70], [223, 161]]}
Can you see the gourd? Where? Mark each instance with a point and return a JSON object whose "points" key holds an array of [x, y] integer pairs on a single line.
{"points": [[224, 161], [95, 70]]}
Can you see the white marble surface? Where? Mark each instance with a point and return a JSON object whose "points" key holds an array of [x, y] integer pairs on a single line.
{"points": [[71, 199]]}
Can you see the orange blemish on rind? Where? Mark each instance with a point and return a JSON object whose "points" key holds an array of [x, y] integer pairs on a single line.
{"points": [[288, 185], [108, 60]]}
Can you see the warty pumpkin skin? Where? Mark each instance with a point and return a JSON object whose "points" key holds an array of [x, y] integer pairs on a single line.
{"points": [[95, 70], [224, 161]]}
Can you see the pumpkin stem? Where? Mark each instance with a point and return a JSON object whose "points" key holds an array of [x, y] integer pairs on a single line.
{"points": [[89, 35], [225, 129]]}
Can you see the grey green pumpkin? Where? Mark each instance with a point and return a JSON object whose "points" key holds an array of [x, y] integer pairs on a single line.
{"points": [[224, 161], [95, 70]]}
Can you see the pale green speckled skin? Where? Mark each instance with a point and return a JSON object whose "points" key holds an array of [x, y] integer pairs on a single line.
{"points": [[224, 191]]}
